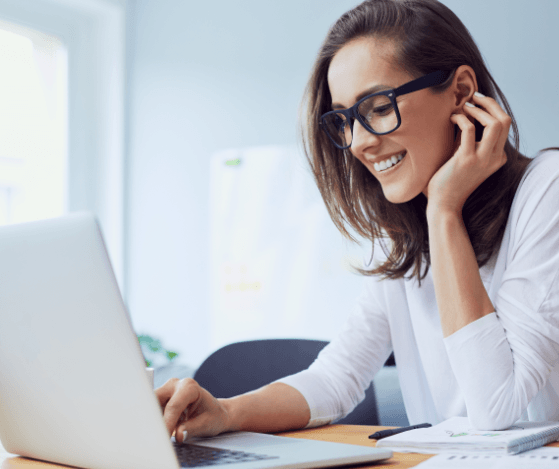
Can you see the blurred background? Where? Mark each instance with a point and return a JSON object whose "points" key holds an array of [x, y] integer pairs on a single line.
{"points": [[175, 122]]}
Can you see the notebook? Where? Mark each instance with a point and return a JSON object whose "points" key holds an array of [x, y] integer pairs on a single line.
{"points": [[73, 384], [457, 435]]}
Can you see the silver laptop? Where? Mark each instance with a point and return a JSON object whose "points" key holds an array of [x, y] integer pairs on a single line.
{"points": [[73, 386]]}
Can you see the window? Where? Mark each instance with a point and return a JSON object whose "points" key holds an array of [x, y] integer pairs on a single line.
{"points": [[94, 35], [33, 125]]}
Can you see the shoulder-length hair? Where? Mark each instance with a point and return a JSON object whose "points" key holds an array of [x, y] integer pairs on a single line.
{"points": [[428, 37]]}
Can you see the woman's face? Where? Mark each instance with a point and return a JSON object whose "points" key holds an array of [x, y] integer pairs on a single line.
{"points": [[426, 134]]}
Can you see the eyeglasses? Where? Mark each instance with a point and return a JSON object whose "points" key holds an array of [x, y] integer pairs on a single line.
{"points": [[377, 112]]}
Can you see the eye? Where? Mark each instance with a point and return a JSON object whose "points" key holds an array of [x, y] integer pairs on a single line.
{"points": [[340, 122], [383, 110], [375, 106]]}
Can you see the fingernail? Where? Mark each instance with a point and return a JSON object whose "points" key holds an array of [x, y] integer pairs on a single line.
{"points": [[184, 435], [479, 95], [470, 104]]}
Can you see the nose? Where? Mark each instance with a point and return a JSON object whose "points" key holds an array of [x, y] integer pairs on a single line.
{"points": [[362, 139]]}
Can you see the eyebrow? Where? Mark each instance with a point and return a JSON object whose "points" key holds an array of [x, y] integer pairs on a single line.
{"points": [[371, 90]]}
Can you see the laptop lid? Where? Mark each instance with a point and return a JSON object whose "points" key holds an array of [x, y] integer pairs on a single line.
{"points": [[73, 386], [68, 350]]}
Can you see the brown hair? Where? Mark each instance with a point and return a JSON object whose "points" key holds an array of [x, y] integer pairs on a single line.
{"points": [[428, 37]]}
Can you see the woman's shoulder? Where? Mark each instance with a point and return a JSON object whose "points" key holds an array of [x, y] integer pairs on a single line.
{"points": [[538, 190], [543, 167], [540, 174]]}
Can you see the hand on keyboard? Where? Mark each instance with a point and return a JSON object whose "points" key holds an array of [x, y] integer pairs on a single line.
{"points": [[187, 407]]}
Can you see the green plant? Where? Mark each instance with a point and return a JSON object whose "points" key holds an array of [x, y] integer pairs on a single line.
{"points": [[152, 348]]}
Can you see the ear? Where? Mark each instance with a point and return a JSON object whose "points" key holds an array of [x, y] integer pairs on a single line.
{"points": [[464, 85]]}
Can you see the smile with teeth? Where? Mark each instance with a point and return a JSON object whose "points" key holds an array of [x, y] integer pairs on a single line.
{"points": [[389, 162]]}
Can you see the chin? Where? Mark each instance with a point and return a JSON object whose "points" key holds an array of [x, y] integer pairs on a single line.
{"points": [[398, 197]]}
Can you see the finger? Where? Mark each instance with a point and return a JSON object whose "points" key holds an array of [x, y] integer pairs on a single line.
{"points": [[499, 113], [181, 431], [186, 392], [198, 424], [191, 427], [205, 418], [492, 129], [183, 436], [468, 132], [490, 105], [165, 392]]}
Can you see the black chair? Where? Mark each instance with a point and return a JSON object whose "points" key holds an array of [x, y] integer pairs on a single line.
{"points": [[245, 366]]}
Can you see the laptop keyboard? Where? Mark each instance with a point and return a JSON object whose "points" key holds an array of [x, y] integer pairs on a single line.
{"points": [[197, 456]]}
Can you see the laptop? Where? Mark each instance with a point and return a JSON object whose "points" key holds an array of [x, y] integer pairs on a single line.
{"points": [[73, 385]]}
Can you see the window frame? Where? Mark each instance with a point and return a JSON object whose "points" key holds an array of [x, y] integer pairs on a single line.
{"points": [[94, 33]]}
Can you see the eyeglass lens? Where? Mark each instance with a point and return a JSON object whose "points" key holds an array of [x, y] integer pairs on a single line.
{"points": [[377, 111]]}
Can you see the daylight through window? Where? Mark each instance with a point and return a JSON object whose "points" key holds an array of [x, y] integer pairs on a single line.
{"points": [[33, 125]]}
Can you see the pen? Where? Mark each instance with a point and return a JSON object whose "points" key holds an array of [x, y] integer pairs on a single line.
{"points": [[394, 431]]}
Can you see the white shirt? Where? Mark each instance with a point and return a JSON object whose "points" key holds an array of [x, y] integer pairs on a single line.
{"points": [[497, 369]]}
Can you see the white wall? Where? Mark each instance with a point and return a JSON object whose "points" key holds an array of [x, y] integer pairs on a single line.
{"points": [[195, 67]]}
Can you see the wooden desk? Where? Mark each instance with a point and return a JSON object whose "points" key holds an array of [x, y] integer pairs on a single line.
{"points": [[351, 434], [358, 435]]}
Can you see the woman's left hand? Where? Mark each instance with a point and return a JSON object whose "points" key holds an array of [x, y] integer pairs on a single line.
{"points": [[473, 162]]}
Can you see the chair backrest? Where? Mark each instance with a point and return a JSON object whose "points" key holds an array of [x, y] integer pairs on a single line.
{"points": [[245, 366]]}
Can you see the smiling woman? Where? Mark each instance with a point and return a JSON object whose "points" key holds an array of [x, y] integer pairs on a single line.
{"points": [[463, 282], [434, 191], [359, 54]]}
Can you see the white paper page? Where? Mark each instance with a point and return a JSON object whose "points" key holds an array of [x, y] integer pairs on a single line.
{"points": [[546, 457], [458, 436]]}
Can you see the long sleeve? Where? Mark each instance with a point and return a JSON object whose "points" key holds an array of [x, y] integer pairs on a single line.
{"points": [[336, 382], [503, 360]]}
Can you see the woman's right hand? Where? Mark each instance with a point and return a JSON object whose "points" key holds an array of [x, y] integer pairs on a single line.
{"points": [[188, 407]]}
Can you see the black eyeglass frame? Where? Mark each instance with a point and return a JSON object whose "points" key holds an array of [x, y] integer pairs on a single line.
{"points": [[426, 81]]}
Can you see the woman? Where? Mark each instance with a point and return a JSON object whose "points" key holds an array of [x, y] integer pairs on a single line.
{"points": [[409, 146]]}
